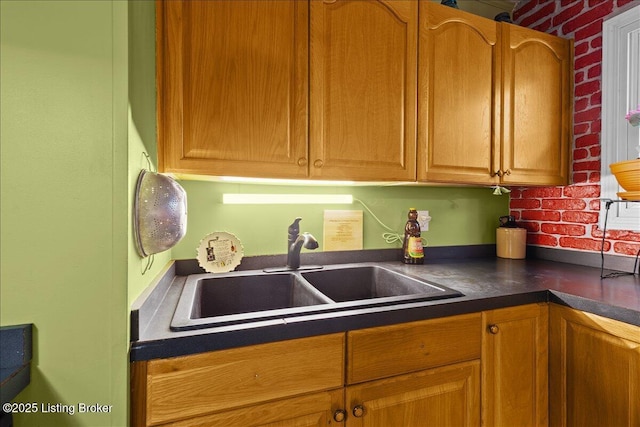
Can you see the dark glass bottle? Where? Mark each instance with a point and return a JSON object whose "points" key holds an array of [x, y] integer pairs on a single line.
{"points": [[450, 3], [412, 250]]}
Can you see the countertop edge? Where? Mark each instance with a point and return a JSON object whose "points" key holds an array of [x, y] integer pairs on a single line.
{"points": [[621, 314], [305, 326], [210, 339]]}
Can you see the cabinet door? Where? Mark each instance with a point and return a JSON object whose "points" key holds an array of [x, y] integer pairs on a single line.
{"points": [[392, 350], [167, 390], [458, 94], [313, 410], [233, 87], [514, 366], [537, 129], [595, 370], [446, 396], [363, 89]]}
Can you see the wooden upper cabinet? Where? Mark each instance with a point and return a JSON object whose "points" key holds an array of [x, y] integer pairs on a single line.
{"points": [[494, 101], [363, 65], [359, 90], [537, 80], [233, 87], [458, 91]]}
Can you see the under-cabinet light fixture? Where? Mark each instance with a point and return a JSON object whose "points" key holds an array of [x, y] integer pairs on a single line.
{"points": [[279, 181], [286, 199]]}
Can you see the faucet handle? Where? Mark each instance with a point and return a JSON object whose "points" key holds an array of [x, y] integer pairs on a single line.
{"points": [[294, 228]]}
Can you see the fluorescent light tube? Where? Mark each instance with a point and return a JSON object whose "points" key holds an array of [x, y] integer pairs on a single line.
{"points": [[286, 199]]}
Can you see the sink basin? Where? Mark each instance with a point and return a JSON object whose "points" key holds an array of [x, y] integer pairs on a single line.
{"points": [[242, 298], [247, 294], [373, 282], [210, 300]]}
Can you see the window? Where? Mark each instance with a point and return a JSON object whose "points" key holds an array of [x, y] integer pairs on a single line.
{"points": [[620, 93]]}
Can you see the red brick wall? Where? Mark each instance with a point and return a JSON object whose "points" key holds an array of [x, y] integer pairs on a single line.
{"points": [[567, 217]]}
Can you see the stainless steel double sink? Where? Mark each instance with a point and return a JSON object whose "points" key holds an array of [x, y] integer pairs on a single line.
{"points": [[210, 300]]}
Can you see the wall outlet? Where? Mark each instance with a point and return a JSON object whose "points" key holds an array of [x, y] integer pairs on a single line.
{"points": [[423, 220]]}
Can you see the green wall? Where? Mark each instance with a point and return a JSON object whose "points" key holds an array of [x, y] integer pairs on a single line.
{"points": [[142, 130], [64, 207], [460, 215], [77, 113]]}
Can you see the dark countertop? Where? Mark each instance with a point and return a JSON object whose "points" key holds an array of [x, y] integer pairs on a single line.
{"points": [[486, 282], [15, 360]]}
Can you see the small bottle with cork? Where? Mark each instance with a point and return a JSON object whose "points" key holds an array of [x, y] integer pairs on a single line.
{"points": [[413, 252]]}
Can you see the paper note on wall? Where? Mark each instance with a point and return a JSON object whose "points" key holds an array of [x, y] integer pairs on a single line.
{"points": [[342, 230]]}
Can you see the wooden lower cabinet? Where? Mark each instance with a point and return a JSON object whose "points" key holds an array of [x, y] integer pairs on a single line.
{"points": [[387, 351], [594, 370], [178, 389], [515, 366], [417, 374], [311, 410], [445, 396], [421, 374], [530, 365]]}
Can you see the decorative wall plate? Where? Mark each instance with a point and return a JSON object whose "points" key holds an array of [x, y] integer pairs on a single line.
{"points": [[220, 252]]}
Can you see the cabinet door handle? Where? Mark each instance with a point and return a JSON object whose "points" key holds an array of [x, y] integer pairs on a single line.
{"points": [[493, 329], [318, 163], [302, 161], [501, 173], [339, 415], [358, 411]]}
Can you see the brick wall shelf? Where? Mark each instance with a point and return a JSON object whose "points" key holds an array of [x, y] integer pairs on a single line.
{"points": [[608, 203]]}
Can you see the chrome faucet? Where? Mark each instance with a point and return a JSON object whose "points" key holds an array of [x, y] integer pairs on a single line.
{"points": [[295, 242]]}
